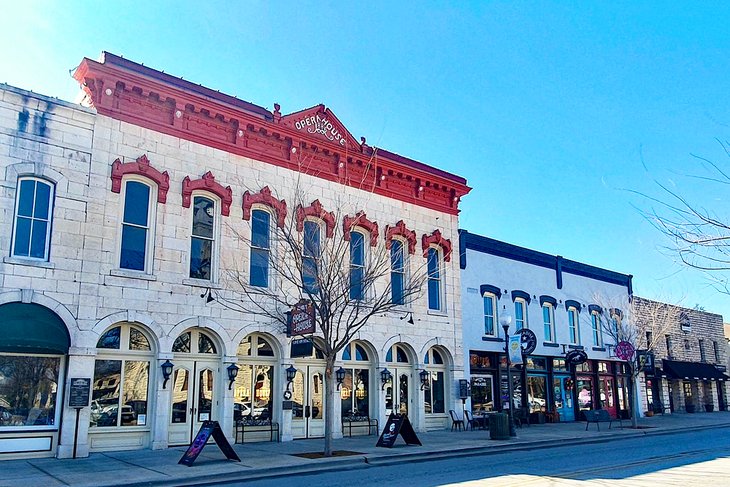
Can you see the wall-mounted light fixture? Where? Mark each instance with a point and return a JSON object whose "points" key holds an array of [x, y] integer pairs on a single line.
{"points": [[340, 376], [424, 378], [166, 372], [408, 315], [232, 373], [385, 377], [208, 295]]}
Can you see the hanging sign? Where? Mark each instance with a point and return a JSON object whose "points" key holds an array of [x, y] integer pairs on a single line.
{"points": [[576, 357], [515, 349], [301, 347], [645, 360], [300, 319], [625, 351], [528, 340]]}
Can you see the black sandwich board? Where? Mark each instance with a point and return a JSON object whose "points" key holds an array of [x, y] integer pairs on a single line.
{"points": [[397, 424], [209, 428]]}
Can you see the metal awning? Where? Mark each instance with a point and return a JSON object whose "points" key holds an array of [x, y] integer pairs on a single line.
{"points": [[31, 328], [691, 371]]}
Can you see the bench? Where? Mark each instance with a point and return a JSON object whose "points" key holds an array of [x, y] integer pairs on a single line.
{"points": [[599, 416], [251, 425], [359, 421]]}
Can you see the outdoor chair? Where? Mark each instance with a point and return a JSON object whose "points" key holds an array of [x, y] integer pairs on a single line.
{"points": [[455, 421], [470, 421]]}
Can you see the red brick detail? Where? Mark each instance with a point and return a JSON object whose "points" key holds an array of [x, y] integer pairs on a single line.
{"points": [[140, 167], [315, 210], [401, 230], [207, 183], [360, 220], [436, 239], [264, 197]]}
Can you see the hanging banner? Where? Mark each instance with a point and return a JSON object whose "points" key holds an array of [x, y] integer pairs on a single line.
{"points": [[515, 349]]}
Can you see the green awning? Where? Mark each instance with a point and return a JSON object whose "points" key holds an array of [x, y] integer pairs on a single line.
{"points": [[31, 328]]}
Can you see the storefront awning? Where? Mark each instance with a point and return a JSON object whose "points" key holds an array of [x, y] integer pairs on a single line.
{"points": [[31, 328], [691, 370]]}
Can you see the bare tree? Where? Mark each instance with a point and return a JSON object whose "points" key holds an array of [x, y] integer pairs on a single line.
{"points": [[699, 236], [642, 324], [320, 267]]}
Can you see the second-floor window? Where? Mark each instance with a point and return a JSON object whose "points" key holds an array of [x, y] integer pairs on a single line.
{"points": [[434, 280], [135, 252], [717, 352], [310, 259], [490, 314], [397, 272], [33, 210], [520, 314], [668, 341], [357, 265], [548, 320], [703, 354], [596, 329], [260, 248], [573, 326], [202, 238]]}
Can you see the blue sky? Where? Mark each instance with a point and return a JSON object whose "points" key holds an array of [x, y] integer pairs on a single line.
{"points": [[553, 111]]}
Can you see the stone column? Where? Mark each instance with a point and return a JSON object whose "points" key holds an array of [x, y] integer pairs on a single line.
{"points": [[160, 415]]}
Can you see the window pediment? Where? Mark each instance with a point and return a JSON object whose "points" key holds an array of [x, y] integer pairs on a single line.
{"points": [[436, 239], [264, 197], [207, 183], [140, 167], [349, 223], [315, 210], [400, 230]]}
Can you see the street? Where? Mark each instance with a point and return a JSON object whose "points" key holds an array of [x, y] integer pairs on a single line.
{"points": [[687, 458]]}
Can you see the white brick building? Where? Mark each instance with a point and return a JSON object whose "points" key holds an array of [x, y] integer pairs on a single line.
{"points": [[120, 220]]}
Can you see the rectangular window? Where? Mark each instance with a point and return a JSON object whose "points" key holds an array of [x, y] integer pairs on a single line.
{"points": [[33, 209], [119, 399], [490, 312], [703, 355], [357, 266], [520, 314], [397, 272], [433, 393], [260, 248], [668, 340], [548, 320], [596, 329], [135, 226], [253, 392], [310, 259], [717, 352], [28, 386], [573, 326], [434, 279], [202, 238]]}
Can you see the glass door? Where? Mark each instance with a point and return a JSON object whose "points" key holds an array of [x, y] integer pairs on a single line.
{"points": [[563, 398], [607, 395], [308, 402], [193, 398]]}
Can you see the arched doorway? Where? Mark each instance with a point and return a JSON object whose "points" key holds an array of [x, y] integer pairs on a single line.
{"points": [[399, 392], [434, 390], [356, 392], [195, 387], [254, 385], [308, 395]]}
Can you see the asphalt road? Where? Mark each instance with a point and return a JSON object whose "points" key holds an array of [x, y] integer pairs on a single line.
{"points": [[684, 459]]}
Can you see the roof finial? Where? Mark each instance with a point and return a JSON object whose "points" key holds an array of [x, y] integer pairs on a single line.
{"points": [[277, 113]]}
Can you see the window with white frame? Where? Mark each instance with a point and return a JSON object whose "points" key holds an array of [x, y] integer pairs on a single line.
{"points": [[137, 223], [520, 314], [596, 329], [434, 389], [312, 250], [548, 321], [260, 248], [202, 239], [573, 326], [490, 314], [33, 216], [435, 286], [397, 271], [357, 265]]}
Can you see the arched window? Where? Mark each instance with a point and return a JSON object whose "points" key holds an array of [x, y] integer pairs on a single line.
{"points": [[312, 252], [401, 356], [33, 217], [202, 240], [254, 383], [434, 390], [194, 341], [357, 265], [397, 271], [260, 248], [120, 390], [137, 223], [355, 390]]}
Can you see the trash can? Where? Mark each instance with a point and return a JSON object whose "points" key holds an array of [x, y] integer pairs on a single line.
{"points": [[499, 426]]}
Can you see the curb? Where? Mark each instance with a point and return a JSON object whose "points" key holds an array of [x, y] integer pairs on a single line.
{"points": [[365, 461]]}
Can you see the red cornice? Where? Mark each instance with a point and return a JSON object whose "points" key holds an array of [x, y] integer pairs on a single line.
{"points": [[401, 230], [264, 197], [315, 210], [140, 167], [207, 183], [360, 220], [436, 239], [139, 95]]}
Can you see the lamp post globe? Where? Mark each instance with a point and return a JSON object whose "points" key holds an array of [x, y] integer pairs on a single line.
{"points": [[505, 320]]}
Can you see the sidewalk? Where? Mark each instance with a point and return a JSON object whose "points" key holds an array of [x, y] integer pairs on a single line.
{"points": [[160, 468]]}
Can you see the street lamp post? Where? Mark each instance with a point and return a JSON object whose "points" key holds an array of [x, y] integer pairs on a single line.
{"points": [[505, 320]]}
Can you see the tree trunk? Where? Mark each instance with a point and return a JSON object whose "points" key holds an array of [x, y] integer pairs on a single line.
{"points": [[330, 390], [632, 401]]}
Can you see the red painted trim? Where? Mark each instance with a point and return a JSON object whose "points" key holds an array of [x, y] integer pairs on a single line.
{"points": [[264, 197], [140, 167], [127, 91], [401, 230], [360, 220], [436, 239], [207, 183], [315, 210]]}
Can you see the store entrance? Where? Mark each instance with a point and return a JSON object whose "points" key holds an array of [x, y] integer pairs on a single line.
{"points": [[607, 395], [563, 397], [308, 402], [193, 395]]}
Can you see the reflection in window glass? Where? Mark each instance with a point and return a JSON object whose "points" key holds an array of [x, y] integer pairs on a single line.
{"points": [[137, 340], [537, 393], [205, 344], [585, 393], [357, 265], [397, 272], [310, 259], [135, 226], [182, 343], [180, 396], [434, 279], [110, 338], [105, 393], [205, 395], [32, 219], [252, 392], [482, 399], [260, 248], [201, 241], [28, 389], [134, 393], [264, 348], [433, 393]]}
